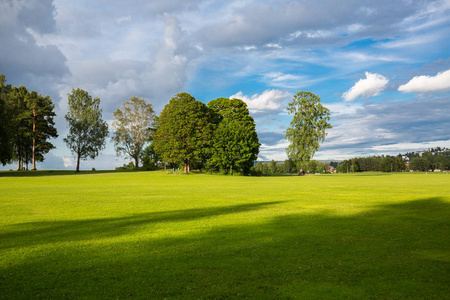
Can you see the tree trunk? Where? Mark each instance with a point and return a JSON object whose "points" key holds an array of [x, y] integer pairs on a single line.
{"points": [[186, 166], [78, 163], [19, 159], [136, 162], [33, 167]]}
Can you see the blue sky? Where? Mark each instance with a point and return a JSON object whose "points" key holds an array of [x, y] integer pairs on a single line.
{"points": [[382, 67]]}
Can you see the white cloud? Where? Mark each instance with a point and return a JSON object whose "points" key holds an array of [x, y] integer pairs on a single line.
{"points": [[268, 100], [407, 147], [69, 162], [339, 109], [427, 84], [371, 86], [123, 19], [287, 81]]}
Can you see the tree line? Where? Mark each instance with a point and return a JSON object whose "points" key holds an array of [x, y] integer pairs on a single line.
{"points": [[289, 167], [217, 136], [372, 163], [429, 161]]}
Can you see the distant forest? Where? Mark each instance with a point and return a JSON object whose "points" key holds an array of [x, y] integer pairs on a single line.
{"points": [[435, 159]]}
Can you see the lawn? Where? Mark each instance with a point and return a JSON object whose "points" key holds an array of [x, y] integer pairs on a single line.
{"points": [[157, 235]]}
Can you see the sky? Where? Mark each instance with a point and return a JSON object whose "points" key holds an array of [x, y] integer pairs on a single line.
{"points": [[381, 67]]}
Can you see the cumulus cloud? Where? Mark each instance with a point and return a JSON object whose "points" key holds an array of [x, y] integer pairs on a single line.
{"points": [[428, 84], [156, 77], [371, 86], [269, 100]]}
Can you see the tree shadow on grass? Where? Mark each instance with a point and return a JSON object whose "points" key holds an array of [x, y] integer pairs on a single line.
{"points": [[393, 251], [48, 173], [36, 233]]}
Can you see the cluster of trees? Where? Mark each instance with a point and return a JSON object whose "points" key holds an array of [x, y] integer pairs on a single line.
{"points": [[372, 163], [289, 167], [430, 161], [26, 125], [218, 136]]}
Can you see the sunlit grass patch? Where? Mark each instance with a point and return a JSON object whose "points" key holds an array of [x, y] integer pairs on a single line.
{"points": [[156, 235]]}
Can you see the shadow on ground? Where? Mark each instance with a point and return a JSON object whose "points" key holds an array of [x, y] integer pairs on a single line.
{"points": [[395, 251], [48, 173]]}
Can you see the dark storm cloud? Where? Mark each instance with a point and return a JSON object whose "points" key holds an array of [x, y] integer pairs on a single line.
{"points": [[22, 59]]}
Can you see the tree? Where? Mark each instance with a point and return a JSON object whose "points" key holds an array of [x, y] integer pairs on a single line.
{"points": [[87, 130], [132, 128], [307, 129], [43, 126], [21, 122], [6, 130], [150, 157], [428, 155], [442, 163], [184, 132], [235, 141], [419, 164]]}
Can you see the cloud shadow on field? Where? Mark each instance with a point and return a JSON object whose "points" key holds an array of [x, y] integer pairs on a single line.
{"points": [[392, 251]]}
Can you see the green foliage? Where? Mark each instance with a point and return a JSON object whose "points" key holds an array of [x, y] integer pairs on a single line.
{"points": [[373, 163], [133, 128], [87, 130], [150, 235], [288, 167], [6, 129], [419, 164], [307, 129], [26, 125], [442, 162], [20, 121], [235, 143], [43, 126], [150, 157], [184, 132]]}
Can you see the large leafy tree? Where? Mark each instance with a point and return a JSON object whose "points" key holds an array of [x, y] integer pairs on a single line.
{"points": [[235, 141], [43, 126], [307, 129], [87, 130], [184, 131], [133, 127]]}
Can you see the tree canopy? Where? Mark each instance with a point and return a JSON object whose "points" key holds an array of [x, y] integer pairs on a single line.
{"points": [[235, 143], [42, 124], [307, 129], [184, 131], [133, 128], [87, 130], [27, 125], [6, 131]]}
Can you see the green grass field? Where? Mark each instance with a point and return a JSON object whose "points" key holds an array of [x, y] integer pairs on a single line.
{"points": [[155, 235]]}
